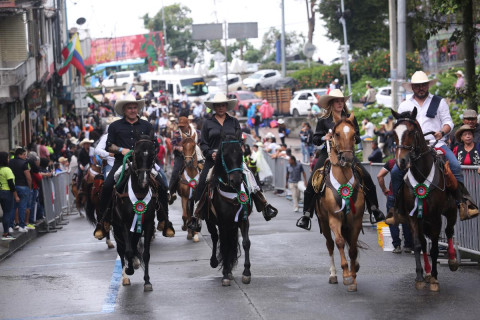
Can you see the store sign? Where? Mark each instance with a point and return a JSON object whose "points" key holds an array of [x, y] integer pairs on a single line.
{"points": [[35, 98]]}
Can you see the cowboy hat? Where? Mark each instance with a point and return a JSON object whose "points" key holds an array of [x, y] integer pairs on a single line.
{"points": [[461, 130], [281, 121], [469, 114], [221, 98], [172, 119], [62, 159], [86, 141], [190, 117], [459, 72], [128, 99], [418, 78], [112, 119], [183, 122], [74, 140], [334, 94]]}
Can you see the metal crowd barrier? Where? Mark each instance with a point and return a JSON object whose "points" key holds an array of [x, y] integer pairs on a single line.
{"points": [[467, 233]]}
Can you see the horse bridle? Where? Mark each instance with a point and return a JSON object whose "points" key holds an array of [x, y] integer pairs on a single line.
{"points": [[338, 150], [228, 171], [134, 164], [412, 148]]}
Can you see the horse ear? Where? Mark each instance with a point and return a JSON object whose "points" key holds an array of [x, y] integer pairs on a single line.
{"points": [[395, 114], [414, 113], [352, 116]]}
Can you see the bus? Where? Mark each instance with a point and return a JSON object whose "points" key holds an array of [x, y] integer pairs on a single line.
{"points": [[193, 85], [104, 69]]}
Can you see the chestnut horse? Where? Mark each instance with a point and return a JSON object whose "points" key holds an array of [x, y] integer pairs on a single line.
{"points": [[187, 183], [341, 205], [427, 199]]}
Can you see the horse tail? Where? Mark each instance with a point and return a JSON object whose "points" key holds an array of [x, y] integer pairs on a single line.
{"points": [[89, 207], [229, 247]]}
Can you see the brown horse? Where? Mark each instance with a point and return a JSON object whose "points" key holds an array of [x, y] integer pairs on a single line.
{"points": [[424, 197], [341, 205], [187, 183]]}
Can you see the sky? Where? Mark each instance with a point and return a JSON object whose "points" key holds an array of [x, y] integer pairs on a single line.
{"points": [[114, 18]]}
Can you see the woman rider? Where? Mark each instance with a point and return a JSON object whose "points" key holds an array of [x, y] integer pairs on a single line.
{"points": [[220, 124], [334, 104]]}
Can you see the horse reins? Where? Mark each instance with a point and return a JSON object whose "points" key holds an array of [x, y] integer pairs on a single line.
{"points": [[134, 164]]}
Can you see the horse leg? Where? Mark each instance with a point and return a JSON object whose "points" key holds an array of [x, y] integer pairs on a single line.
{"points": [[244, 228], [325, 228], [109, 243], [449, 229], [121, 253], [184, 216], [353, 254], [212, 229], [419, 280], [189, 216], [434, 285], [336, 226], [148, 234], [128, 251]]}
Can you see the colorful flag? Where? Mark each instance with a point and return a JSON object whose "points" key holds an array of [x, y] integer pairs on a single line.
{"points": [[72, 53]]}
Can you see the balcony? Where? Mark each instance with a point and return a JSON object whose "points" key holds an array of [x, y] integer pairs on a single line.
{"points": [[16, 80]]}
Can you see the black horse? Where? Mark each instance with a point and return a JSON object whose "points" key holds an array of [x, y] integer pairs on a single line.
{"points": [[228, 209], [134, 204]]}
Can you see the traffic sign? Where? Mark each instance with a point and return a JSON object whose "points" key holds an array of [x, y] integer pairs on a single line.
{"points": [[309, 50], [79, 95]]}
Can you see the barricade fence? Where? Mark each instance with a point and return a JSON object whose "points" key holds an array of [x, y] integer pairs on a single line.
{"points": [[466, 234]]}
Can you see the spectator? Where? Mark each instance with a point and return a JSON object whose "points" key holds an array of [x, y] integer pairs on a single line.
{"points": [[112, 97], [469, 118], [8, 195], [369, 129], [257, 122], [303, 142], [394, 230], [31, 211], [280, 152], [161, 153], [459, 87], [83, 159], [467, 151], [264, 171], [315, 109], [294, 171], [266, 111], [23, 185], [381, 137], [370, 95], [283, 131], [245, 128], [376, 155], [43, 150]]}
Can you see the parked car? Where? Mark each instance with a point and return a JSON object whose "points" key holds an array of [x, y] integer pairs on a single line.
{"points": [[123, 78], [244, 98], [300, 103], [218, 84], [261, 79], [384, 96]]}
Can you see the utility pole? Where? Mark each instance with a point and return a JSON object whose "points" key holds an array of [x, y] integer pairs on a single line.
{"points": [[392, 16], [226, 58], [345, 49], [283, 40], [402, 39], [165, 38]]}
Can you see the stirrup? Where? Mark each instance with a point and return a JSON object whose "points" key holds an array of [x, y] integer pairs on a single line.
{"points": [[195, 224], [304, 222], [269, 212]]}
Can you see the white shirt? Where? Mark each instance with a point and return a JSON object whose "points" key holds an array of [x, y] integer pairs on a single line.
{"points": [[162, 122], [429, 124], [101, 152], [151, 109], [370, 129]]}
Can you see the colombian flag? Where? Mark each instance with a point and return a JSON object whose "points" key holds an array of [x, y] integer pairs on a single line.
{"points": [[72, 53]]}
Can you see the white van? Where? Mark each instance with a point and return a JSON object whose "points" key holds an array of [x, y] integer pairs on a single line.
{"points": [[218, 84], [121, 78], [193, 85]]}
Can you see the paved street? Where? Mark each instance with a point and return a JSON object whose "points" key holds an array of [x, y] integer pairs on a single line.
{"points": [[70, 275]]}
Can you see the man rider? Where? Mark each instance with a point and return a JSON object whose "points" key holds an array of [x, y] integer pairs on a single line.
{"points": [[433, 115], [121, 139]]}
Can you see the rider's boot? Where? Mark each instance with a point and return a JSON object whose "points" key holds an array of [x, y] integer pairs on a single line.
{"points": [[196, 224], [165, 226], [372, 204], [262, 204], [305, 221], [172, 193], [103, 225], [467, 208]]}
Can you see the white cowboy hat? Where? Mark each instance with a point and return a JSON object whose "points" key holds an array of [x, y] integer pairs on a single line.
{"points": [[334, 94], [74, 140], [281, 121], [459, 72], [112, 119], [221, 98], [417, 78], [86, 141], [129, 99]]}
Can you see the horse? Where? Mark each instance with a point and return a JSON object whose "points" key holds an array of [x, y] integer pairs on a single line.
{"points": [[81, 195], [229, 206], [424, 197], [340, 206], [135, 201], [93, 189], [187, 183]]}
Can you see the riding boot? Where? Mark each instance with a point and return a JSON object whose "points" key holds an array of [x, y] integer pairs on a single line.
{"points": [[195, 223], [305, 221], [103, 225], [172, 193], [166, 227], [262, 204], [467, 208], [372, 201]]}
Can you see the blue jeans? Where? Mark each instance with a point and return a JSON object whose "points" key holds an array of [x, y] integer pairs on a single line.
{"points": [[24, 195], [305, 154], [395, 230], [31, 205], [106, 169], [163, 176], [6, 201]]}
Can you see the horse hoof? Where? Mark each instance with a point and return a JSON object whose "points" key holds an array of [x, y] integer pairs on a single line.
{"points": [[230, 276], [136, 263], [110, 245], [246, 279], [213, 262], [184, 228], [129, 271], [352, 288], [333, 280], [148, 287], [347, 281], [419, 285], [195, 238], [225, 282], [428, 276], [189, 235], [453, 264], [126, 282], [434, 285]]}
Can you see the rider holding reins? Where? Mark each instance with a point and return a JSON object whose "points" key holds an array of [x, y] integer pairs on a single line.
{"points": [[213, 129], [434, 115], [334, 104], [122, 135]]}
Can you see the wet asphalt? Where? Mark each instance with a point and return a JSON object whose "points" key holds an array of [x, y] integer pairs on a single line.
{"points": [[71, 275]]}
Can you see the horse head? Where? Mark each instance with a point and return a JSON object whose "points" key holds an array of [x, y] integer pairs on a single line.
{"points": [[343, 140], [143, 158], [408, 138], [189, 152], [230, 160]]}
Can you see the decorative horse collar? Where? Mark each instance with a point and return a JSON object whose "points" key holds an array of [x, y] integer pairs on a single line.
{"points": [[343, 192]]}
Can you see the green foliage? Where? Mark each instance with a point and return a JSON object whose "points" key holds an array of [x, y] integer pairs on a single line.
{"points": [[252, 55], [317, 77], [359, 87], [293, 43]]}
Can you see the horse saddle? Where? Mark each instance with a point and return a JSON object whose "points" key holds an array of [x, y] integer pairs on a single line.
{"points": [[450, 180], [318, 178]]}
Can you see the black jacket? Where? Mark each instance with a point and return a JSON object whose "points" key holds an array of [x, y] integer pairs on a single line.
{"points": [[325, 124], [212, 134]]}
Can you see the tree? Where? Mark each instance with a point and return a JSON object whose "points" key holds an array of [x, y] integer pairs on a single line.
{"points": [[178, 29], [311, 19], [367, 24], [294, 43]]}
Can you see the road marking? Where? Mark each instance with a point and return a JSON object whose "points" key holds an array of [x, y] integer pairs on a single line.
{"points": [[109, 303]]}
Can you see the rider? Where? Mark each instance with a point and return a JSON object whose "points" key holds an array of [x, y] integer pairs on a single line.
{"points": [[184, 129], [121, 139], [433, 115], [212, 131], [100, 148], [83, 159], [334, 104]]}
